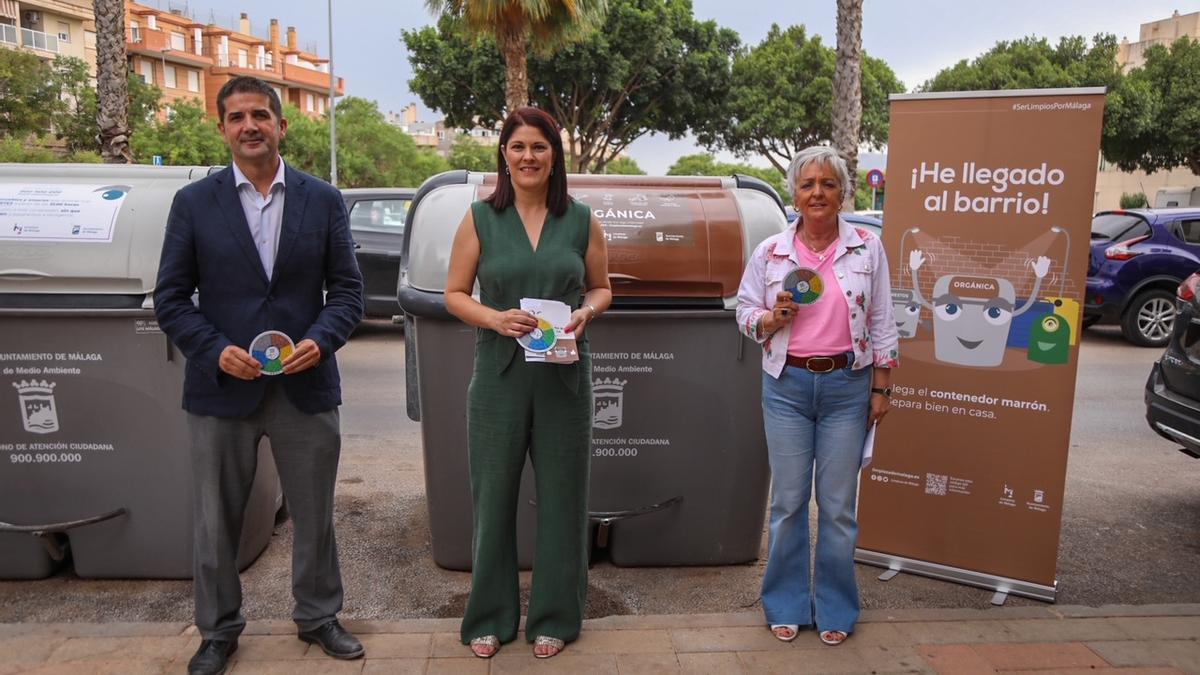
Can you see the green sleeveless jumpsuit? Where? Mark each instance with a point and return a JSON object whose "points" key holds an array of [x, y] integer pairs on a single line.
{"points": [[545, 409]]}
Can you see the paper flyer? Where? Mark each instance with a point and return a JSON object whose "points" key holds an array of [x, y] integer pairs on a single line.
{"points": [[549, 342]]}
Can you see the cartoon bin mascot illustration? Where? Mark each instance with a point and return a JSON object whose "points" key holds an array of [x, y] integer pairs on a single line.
{"points": [[1050, 340], [973, 314], [907, 312]]}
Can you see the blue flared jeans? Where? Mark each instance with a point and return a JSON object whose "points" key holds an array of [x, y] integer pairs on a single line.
{"points": [[815, 425]]}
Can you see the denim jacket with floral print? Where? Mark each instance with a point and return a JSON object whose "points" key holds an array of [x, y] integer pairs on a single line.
{"points": [[862, 271]]}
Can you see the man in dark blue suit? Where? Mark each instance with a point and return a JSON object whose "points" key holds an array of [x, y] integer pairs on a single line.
{"points": [[267, 247]]}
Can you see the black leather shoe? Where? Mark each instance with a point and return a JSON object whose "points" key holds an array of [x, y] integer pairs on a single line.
{"points": [[211, 658], [334, 641]]}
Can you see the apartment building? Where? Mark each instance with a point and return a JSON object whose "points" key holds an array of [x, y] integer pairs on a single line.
{"points": [[50, 28], [187, 59], [435, 135], [1162, 32], [1111, 182]]}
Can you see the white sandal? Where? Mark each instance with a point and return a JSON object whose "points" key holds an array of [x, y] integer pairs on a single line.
{"points": [[834, 638], [555, 644], [776, 629]]}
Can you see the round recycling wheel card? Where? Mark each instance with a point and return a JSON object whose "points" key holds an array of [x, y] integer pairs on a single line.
{"points": [[804, 284], [270, 349], [540, 339]]}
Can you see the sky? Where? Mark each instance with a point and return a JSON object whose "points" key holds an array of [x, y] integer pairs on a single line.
{"points": [[917, 38]]}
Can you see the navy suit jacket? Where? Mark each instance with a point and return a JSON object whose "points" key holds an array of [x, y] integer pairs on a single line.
{"points": [[208, 248]]}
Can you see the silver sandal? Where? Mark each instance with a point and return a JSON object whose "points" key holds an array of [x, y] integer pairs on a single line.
{"points": [[547, 641], [490, 641]]}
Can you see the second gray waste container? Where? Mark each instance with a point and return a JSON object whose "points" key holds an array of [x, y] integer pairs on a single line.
{"points": [[93, 443], [679, 462]]}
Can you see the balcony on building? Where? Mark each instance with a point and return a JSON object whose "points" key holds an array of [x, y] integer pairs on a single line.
{"points": [[298, 72], [24, 25], [157, 44]]}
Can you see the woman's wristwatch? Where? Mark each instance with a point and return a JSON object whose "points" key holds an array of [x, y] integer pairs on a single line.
{"points": [[885, 391]]}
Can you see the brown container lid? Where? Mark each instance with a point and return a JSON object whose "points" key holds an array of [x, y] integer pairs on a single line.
{"points": [[674, 236]]}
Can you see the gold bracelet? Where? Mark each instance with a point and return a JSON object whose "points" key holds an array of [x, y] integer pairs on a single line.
{"points": [[591, 309]]}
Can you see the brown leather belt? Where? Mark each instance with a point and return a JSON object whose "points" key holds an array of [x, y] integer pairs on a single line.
{"points": [[819, 364]]}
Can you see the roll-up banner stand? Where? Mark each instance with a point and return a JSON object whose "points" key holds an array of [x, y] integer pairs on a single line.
{"points": [[987, 224]]}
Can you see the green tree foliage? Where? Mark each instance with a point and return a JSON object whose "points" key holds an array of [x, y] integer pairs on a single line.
{"points": [[371, 152], [29, 92], [781, 99], [650, 68], [704, 164], [39, 98], [80, 129], [1033, 63], [1152, 118], [1133, 200], [472, 156], [185, 138], [13, 150], [862, 193], [518, 25], [624, 166], [461, 76]]}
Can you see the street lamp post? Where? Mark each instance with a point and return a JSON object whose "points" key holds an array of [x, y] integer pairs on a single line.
{"points": [[332, 105]]}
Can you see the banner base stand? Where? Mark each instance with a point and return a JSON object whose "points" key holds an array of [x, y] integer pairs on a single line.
{"points": [[1003, 586]]}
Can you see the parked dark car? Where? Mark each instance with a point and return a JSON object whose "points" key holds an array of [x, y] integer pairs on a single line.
{"points": [[1138, 258], [870, 222], [1173, 390], [377, 218]]}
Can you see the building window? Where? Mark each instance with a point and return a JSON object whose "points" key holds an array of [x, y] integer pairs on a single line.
{"points": [[64, 31], [177, 42], [169, 76], [279, 93], [146, 69], [308, 100], [269, 59], [243, 58], [89, 39], [152, 22], [193, 80], [321, 105], [135, 32], [197, 42]]}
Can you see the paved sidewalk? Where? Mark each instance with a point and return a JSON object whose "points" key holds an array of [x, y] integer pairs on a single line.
{"points": [[1143, 639]]}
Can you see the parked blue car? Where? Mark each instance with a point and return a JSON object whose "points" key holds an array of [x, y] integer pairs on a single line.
{"points": [[1138, 259]]}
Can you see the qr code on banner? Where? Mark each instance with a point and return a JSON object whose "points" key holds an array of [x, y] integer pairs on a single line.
{"points": [[935, 484]]}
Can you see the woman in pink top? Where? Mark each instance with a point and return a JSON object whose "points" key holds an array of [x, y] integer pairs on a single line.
{"points": [[817, 297]]}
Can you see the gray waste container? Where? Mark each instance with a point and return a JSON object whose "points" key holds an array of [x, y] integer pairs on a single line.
{"points": [[679, 462], [93, 446]]}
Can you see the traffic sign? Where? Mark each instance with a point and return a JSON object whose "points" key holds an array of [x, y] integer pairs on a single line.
{"points": [[875, 178]]}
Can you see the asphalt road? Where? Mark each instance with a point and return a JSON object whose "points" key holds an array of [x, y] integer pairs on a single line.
{"points": [[1130, 534]]}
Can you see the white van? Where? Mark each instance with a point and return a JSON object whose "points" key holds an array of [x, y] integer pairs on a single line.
{"points": [[1177, 196]]}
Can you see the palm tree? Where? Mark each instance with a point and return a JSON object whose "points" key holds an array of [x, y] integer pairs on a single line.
{"points": [[112, 85], [520, 24], [847, 89]]}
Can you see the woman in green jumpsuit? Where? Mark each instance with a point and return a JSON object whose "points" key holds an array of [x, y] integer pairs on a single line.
{"points": [[528, 240]]}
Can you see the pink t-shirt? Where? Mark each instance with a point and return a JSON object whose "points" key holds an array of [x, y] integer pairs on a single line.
{"points": [[822, 325]]}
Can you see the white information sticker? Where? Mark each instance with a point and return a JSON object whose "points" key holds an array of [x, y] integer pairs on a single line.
{"points": [[60, 212]]}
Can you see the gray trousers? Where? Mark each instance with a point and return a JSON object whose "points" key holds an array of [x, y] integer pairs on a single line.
{"points": [[224, 459]]}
